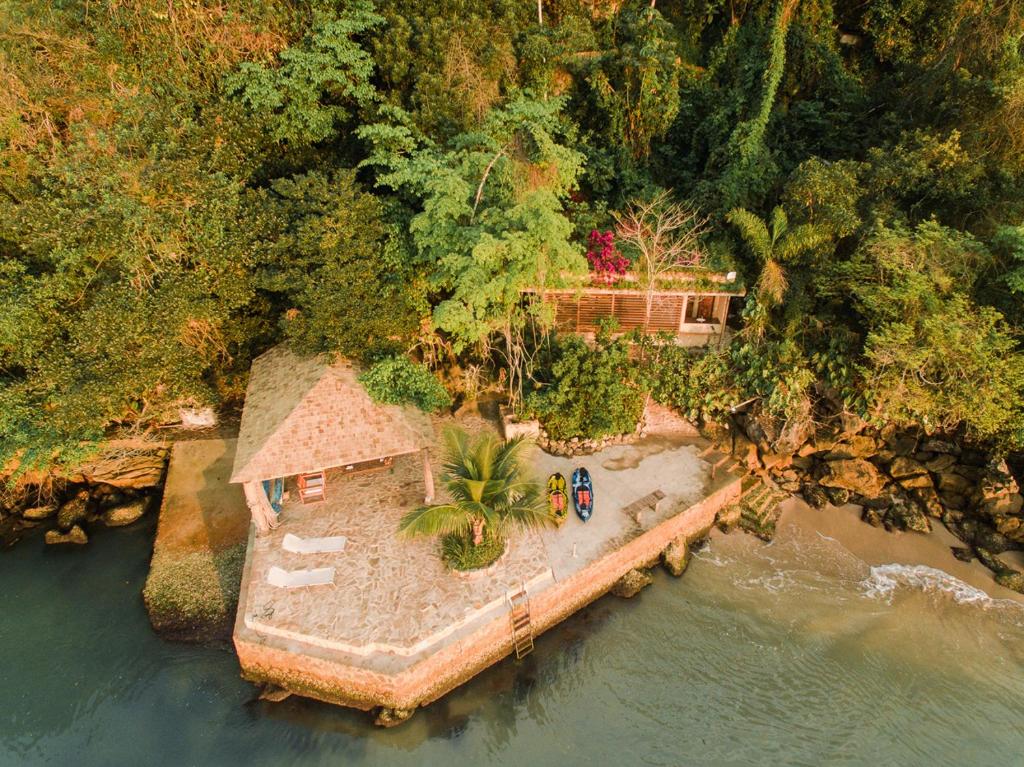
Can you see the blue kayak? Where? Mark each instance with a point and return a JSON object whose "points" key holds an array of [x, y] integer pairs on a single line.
{"points": [[583, 493]]}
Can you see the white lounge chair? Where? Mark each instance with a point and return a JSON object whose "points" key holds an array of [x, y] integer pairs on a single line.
{"points": [[293, 579], [297, 545]]}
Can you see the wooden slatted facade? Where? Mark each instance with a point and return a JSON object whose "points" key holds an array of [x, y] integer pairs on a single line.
{"points": [[701, 316]]}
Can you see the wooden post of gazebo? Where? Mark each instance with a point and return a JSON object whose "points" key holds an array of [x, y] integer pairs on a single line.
{"points": [[263, 514], [428, 478]]}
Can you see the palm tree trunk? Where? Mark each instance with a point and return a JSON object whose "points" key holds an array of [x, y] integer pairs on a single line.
{"points": [[478, 532]]}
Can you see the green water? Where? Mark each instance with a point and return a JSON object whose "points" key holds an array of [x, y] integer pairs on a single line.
{"points": [[793, 654]]}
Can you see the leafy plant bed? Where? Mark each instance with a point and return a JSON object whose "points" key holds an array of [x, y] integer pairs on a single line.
{"points": [[460, 554]]}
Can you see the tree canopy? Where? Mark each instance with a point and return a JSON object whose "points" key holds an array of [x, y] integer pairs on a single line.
{"points": [[183, 185]]}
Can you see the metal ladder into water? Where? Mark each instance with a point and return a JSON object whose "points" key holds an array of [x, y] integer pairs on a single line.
{"points": [[519, 617]]}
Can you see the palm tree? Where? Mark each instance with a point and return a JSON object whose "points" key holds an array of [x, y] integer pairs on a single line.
{"points": [[775, 247], [488, 487]]}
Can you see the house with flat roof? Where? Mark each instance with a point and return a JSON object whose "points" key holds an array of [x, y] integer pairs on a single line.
{"points": [[692, 304]]}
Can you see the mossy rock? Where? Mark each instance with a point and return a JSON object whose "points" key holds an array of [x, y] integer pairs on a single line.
{"points": [[632, 583]]}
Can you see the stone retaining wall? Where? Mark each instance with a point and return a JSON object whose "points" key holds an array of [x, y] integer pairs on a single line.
{"points": [[308, 671]]}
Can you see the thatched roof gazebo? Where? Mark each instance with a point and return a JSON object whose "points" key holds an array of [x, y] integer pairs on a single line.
{"points": [[306, 415]]}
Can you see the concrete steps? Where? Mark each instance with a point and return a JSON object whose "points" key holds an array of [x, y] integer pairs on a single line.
{"points": [[759, 508], [721, 461]]}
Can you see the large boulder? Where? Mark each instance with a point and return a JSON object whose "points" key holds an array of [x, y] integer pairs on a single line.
{"points": [[814, 494], [903, 444], [951, 482], [120, 516], [1005, 575], [676, 557], [940, 463], [75, 535], [928, 500], [936, 445], [392, 717], [904, 515], [73, 511], [36, 513], [854, 474], [954, 501], [728, 517], [983, 536], [858, 446], [996, 493], [906, 467], [632, 583], [837, 496], [916, 481]]}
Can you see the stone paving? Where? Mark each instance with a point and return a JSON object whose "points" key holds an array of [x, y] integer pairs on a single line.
{"points": [[390, 594], [393, 599], [622, 474]]}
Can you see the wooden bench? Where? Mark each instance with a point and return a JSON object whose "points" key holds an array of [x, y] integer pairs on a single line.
{"points": [[649, 501]]}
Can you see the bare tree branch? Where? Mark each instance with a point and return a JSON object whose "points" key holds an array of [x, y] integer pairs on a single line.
{"points": [[666, 235]]}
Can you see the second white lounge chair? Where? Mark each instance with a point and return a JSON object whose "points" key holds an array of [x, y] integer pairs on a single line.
{"points": [[297, 545], [293, 579]]}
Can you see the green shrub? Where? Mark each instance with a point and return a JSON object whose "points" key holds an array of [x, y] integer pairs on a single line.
{"points": [[699, 384], [399, 381], [592, 391], [459, 553]]}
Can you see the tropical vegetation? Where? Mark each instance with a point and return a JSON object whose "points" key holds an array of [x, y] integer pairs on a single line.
{"points": [[490, 493], [183, 185]]}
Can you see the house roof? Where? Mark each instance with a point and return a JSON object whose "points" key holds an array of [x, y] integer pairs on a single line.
{"points": [[305, 414]]}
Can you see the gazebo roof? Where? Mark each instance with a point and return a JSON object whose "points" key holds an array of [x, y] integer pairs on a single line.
{"points": [[305, 414]]}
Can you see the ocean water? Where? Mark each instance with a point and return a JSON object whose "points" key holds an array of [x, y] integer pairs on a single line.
{"points": [[795, 653]]}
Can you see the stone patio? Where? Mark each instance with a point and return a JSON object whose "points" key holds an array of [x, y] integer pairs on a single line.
{"points": [[391, 595], [393, 602]]}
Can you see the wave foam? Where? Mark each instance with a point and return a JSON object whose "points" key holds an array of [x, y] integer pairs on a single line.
{"points": [[883, 580]]}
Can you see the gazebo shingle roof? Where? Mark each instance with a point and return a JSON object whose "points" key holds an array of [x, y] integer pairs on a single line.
{"points": [[306, 414]]}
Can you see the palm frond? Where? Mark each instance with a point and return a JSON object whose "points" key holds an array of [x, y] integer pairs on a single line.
{"points": [[508, 460], [753, 231], [485, 480], [800, 240], [780, 224], [440, 519], [772, 285]]}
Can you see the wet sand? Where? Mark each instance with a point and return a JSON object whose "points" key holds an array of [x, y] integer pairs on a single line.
{"points": [[876, 547]]}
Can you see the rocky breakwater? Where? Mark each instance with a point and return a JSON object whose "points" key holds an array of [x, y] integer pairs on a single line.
{"points": [[903, 481], [114, 489]]}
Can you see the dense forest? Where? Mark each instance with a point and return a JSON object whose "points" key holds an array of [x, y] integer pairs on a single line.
{"points": [[184, 183]]}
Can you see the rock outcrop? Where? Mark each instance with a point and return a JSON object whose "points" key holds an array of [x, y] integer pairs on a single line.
{"points": [[903, 480], [632, 583], [119, 516], [73, 511], [676, 557], [75, 535], [854, 474]]}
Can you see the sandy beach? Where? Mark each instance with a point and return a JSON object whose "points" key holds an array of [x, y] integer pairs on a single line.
{"points": [[877, 547]]}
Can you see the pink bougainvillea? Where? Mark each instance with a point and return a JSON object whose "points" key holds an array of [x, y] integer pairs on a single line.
{"points": [[606, 262]]}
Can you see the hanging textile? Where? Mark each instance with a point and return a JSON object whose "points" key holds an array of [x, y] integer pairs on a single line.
{"points": [[274, 488], [263, 514]]}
